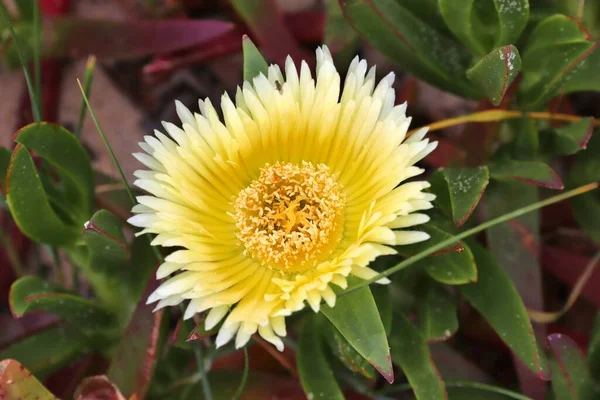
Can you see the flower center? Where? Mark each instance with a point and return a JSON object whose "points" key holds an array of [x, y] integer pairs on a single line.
{"points": [[291, 216]]}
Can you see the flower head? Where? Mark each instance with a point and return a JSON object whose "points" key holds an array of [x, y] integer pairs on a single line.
{"points": [[298, 187]]}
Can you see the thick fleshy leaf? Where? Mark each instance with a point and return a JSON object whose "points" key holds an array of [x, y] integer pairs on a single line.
{"points": [[61, 149], [483, 25], [571, 378], [47, 351], [587, 206], [30, 206], [254, 62], [18, 383], [531, 172], [383, 300], [31, 293], [356, 317], [411, 42], [454, 265], [559, 58], [107, 247], [526, 144], [439, 187], [507, 317], [96, 388], [438, 320], [465, 186], [133, 365], [494, 73], [346, 354], [569, 139], [515, 247], [410, 352], [314, 370]]}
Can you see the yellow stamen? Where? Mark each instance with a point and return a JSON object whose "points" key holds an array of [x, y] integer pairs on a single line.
{"points": [[291, 216]]}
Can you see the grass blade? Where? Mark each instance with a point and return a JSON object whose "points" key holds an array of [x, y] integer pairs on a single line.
{"points": [[240, 389], [37, 116], [88, 77], [37, 56], [470, 232]]}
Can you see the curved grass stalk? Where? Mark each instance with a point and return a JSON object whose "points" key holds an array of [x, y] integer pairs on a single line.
{"points": [[470, 232]]}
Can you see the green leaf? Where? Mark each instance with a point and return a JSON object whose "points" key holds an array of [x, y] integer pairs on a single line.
{"points": [[559, 58], [483, 25], [47, 351], [526, 143], [571, 378], [411, 42], [356, 317], [103, 235], [569, 139], [254, 62], [531, 172], [454, 265], [587, 206], [31, 293], [383, 300], [410, 352], [64, 152], [465, 186], [494, 73], [496, 298], [439, 187], [16, 382], [30, 206], [437, 313], [480, 391], [346, 354], [315, 372]]}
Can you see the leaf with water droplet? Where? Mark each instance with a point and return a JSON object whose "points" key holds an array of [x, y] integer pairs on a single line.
{"points": [[465, 187]]}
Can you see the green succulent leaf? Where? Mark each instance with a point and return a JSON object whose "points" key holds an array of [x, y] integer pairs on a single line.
{"points": [[593, 355], [587, 206], [438, 320], [17, 382], [356, 317], [559, 58], [341, 39], [483, 25], [315, 373], [494, 73], [507, 317], [571, 378], [407, 39], [526, 144], [103, 235], [410, 352], [49, 350], [254, 62], [30, 205], [569, 139], [5, 155], [531, 172], [61, 149], [465, 187], [453, 266], [31, 293]]}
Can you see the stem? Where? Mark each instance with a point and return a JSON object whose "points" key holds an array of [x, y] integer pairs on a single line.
{"points": [[90, 67], [240, 389], [13, 257], [203, 377], [498, 115], [469, 232], [37, 57]]}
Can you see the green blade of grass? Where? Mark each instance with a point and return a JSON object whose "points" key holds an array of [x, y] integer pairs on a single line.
{"points": [[240, 389], [37, 56], [37, 116], [88, 77], [470, 232]]}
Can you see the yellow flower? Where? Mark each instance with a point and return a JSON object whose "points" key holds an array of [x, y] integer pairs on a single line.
{"points": [[299, 187]]}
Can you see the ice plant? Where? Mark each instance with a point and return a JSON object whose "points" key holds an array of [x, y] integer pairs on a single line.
{"points": [[299, 187]]}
